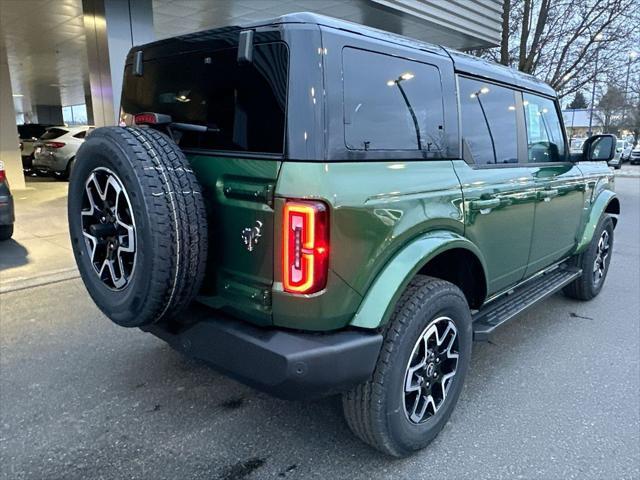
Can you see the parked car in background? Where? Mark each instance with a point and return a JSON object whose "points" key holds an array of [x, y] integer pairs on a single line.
{"points": [[28, 134], [616, 161], [7, 216], [625, 156], [634, 158], [55, 151]]}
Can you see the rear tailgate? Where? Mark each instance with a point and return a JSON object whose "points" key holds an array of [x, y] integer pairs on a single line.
{"points": [[199, 81], [239, 197]]}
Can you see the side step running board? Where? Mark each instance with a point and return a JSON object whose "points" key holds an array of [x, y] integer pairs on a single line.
{"points": [[508, 306]]}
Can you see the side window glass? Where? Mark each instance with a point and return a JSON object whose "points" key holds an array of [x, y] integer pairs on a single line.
{"points": [[545, 142], [489, 127], [391, 103]]}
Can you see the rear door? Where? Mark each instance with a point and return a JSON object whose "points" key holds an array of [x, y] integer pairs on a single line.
{"points": [[497, 184], [236, 157], [559, 183]]}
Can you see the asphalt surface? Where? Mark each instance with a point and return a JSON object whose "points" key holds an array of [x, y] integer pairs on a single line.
{"points": [[554, 396]]}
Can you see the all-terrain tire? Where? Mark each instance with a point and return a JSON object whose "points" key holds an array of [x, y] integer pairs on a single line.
{"points": [[168, 213], [375, 410], [586, 287]]}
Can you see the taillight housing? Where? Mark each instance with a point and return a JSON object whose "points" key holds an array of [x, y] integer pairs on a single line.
{"points": [[54, 144], [3, 175], [305, 246]]}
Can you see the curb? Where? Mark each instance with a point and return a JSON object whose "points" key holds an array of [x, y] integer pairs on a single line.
{"points": [[44, 279]]}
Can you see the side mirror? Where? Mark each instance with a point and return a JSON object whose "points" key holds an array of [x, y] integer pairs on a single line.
{"points": [[599, 148]]}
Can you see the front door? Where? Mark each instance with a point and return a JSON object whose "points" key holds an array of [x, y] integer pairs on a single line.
{"points": [[560, 185], [498, 186]]}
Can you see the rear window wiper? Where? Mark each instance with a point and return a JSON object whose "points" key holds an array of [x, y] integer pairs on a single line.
{"points": [[151, 118]]}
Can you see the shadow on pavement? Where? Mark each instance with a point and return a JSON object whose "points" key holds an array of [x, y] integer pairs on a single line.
{"points": [[12, 254]]}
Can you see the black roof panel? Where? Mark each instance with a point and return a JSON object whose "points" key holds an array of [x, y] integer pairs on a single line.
{"points": [[462, 62]]}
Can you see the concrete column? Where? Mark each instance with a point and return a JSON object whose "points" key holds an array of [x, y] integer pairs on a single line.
{"points": [[112, 27], [9, 143]]}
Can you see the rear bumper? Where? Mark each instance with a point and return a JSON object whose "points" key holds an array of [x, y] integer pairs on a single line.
{"points": [[49, 162], [286, 364]]}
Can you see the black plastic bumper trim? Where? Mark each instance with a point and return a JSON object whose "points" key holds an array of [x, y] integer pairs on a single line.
{"points": [[286, 364]]}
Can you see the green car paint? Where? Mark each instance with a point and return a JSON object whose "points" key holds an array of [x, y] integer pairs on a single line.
{"points": [[599, 198], [377, 306], [375, 213], [387, 222], [238, 193]]}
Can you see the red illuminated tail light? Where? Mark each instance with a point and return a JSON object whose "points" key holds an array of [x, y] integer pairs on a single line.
{"points": [[54, 144], [305, 246]]}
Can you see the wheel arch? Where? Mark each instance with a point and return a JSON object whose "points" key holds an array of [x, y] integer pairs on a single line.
{"points": [[428, 254], [606, 202]]}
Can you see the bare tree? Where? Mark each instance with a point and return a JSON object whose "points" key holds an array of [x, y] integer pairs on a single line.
{"points": [[560, 40], [610, 107]]}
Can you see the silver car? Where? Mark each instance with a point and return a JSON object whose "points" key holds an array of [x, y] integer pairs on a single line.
{"points": [[55, 151]]}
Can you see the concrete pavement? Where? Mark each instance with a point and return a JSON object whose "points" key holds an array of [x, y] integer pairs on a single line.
{"points": [[555, 395], [40, 251]]}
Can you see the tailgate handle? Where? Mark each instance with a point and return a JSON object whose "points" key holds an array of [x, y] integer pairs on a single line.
{"points": [[264, 194]]}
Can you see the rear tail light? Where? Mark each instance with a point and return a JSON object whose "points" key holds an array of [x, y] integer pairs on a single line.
{"points": [[3, 175], [151, 118], [305, 246], [54, 144]]}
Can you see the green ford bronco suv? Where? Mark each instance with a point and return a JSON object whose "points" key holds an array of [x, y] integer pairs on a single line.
{"points": [[315, 207]]}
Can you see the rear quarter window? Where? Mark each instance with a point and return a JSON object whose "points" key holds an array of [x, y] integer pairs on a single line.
{"points": [[242, 105], [391, 103]]}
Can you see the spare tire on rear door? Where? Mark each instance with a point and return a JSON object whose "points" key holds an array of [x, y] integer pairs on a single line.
{"points": [[138, 225]]}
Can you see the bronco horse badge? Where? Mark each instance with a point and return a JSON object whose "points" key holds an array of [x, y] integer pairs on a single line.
{"points": [[251, 235]]}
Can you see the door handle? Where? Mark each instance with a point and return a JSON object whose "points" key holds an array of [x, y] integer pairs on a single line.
{"points": [[480, 205], [547, 195]]}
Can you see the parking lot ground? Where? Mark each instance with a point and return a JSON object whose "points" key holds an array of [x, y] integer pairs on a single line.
{"points": [[40, 250], [555, 395], [628, 170]]}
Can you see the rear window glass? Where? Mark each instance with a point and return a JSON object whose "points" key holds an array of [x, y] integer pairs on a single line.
{"points": [[81, 134], [53, 133], [31, 130], [391, 103], [243, 105]]}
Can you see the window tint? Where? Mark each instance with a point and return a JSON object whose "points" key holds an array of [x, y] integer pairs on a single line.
{"points": [[52, 133], [31, 130], [391, 103], [242, 105], [80, 134], [489, 128], [545, 142]]}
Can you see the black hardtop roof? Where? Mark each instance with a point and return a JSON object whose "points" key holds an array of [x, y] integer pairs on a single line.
{"points": [[462, 62]]}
